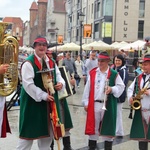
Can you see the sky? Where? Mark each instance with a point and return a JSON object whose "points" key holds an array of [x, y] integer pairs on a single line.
{"points": [[15, 8]]}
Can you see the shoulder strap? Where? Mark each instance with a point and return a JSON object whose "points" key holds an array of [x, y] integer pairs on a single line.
{"points": [[135, 86]]}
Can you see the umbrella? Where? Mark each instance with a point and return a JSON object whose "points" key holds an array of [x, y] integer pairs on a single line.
{"points": [[54, 48], [100, 45], [137, 45], [114, 45], [69, 47], [121, 44]]}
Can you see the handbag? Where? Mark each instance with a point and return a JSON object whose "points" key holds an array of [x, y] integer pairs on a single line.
{"points": [[76, 76]]}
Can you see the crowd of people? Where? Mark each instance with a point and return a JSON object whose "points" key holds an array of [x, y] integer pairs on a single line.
{"points": [[105, 91]]}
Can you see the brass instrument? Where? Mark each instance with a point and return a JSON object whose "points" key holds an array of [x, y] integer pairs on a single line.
{"points": [[137, 99], [105, 96], [8, 55]]}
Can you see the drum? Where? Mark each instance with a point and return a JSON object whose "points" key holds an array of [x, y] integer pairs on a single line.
{"points": [[68, 90]]}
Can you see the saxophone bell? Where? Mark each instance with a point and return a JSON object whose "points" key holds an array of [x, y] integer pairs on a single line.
{"points": [[136, 105]]}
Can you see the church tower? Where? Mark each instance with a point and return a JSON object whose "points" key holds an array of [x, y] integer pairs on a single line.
{"points": [[33, 14], [42, 11]]}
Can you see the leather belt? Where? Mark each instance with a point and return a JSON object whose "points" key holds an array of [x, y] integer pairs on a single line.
{"points": [[99, 101], [145, 110]]}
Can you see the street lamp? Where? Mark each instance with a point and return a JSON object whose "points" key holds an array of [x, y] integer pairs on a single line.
{"points": [[81, 19], [56, 33]]}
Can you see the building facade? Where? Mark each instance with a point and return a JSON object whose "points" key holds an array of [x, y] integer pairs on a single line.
{"points": [[111, 20], [26, 34], [56, 18]]}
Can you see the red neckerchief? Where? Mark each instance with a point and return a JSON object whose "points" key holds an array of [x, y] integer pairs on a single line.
{"points": [[37, 63], [139, 79]]}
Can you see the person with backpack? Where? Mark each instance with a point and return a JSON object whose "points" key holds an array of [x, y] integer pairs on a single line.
{"points": [[120, 67]]}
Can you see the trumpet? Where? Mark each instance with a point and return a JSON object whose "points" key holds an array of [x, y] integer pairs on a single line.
{"points": [[105, 96]]}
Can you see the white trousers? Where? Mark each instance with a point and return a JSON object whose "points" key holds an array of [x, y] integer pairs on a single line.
{"points": [[99, 113], [43, 143], [119, 124], [2, 104]]}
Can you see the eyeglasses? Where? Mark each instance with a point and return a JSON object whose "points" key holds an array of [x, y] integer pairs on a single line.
{"points": [[41, 44]]}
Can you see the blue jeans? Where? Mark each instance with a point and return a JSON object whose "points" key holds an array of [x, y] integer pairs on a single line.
{"points": [[78, 81]]}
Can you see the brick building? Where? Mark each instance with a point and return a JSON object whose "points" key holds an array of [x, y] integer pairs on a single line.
{"points": [[17, 27]]}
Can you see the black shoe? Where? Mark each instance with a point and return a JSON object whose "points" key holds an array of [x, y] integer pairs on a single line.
{"points": [[67, 143], [74, 91], [119, 137]]}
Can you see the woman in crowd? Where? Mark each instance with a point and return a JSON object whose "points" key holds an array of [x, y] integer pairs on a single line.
{"points": [[120, 67], [79, 65]]}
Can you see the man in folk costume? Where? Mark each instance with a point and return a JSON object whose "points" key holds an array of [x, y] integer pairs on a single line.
{"points": [[34, 120], [4, 124], [140, 129], [103, 88], [64, 113]]}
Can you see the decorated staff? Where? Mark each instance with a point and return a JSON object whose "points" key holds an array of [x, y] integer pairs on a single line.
{"points": [[48, 82]]}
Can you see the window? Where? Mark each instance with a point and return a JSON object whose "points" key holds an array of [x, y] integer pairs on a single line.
{"points": [[97, 10], [96, 30], [140, 29], [77, 35], [92, 11], [107, 8], [141, 8]]}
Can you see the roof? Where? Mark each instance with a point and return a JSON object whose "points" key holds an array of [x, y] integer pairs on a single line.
{"points": [[34, 6], [59, 6], [12, 19]]}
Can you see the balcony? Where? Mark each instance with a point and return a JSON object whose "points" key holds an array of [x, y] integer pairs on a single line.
{"points": [[51, 31]]}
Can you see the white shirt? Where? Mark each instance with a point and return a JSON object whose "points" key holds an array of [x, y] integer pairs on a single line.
{"points": [[90, 64], [146, 99], [28, 75], [99, 87]]}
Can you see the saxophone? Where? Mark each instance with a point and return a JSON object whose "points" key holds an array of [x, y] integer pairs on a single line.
{"points": [[137, 99], [8, 55]]}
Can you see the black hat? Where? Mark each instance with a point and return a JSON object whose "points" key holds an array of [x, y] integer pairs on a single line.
{"points": [[40, 39], [146, 58]]}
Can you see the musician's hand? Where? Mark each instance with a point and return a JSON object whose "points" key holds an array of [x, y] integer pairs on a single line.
{"points": [[147, 92], [50, 98], [3, 68], [72, 81], [108, 90], [131, 100], [85, 108], [58, 86]]}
